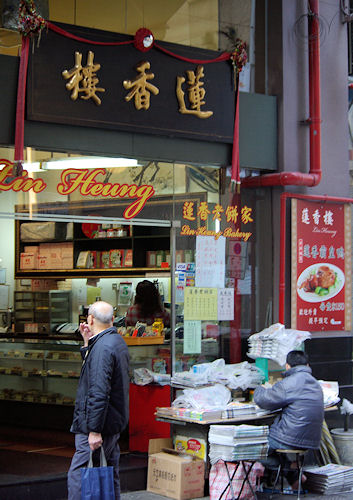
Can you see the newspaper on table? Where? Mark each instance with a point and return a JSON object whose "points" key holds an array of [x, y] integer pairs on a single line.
{"points": [[237, 442], [330, 391], [330, 478], [275, 342]]}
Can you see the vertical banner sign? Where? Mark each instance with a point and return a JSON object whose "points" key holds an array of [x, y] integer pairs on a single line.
{"points": [[321, 266]]}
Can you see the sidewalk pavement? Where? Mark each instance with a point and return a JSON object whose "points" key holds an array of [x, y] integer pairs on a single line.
{"points": [[146, 495]]}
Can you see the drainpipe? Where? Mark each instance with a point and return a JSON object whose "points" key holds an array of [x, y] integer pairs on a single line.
{"points": [[314, 176]]}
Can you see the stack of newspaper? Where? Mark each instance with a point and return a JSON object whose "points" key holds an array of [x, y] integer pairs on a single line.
{"points": [[331, 478], [237, 442]]}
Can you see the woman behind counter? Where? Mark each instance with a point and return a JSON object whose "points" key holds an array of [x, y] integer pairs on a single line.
{"points": [[147, 306]]}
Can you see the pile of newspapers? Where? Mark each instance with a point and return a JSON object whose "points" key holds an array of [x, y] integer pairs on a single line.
{"points": [[275, 342], [237, 442], [330, 478]]}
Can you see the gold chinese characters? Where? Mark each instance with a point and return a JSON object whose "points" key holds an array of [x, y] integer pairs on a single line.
{"points": [[83, 80], [141, 88], [86, 76]]}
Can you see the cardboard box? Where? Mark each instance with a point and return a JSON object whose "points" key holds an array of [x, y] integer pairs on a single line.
{"points": [[104, 259], [28, 260], [157, 444], [42, 262], [128, 258], [151, 258], [176, 476], [116, 258]]}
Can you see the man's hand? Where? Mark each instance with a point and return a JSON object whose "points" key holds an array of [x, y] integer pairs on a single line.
{"points": [[95, 440], [86, 333]]}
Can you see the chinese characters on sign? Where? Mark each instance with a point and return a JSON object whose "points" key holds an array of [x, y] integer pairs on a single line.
{"points": [[232, 214], [86, 76], [321, 266], [84, 79], [141, 87], [196, 94]]}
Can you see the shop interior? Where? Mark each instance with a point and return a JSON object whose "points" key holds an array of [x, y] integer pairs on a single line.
{"points": [[62, 252]]}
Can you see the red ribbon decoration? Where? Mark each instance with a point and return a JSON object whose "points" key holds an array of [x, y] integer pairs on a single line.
{"points": [[65, 33], [225, 56], [235, 176], [21, 99]]}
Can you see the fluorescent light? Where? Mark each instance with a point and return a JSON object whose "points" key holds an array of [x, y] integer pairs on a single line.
{"points": [[32, 167], [91, 162]]}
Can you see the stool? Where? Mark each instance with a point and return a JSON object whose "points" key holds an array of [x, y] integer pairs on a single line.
{"points": [[299, 459], [245, 480]]}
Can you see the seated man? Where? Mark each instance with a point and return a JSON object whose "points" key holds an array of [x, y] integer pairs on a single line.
{"points": [[299, 396]]}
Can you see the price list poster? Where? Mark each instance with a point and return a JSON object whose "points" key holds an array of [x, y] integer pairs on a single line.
{"points": [[321, 266]]}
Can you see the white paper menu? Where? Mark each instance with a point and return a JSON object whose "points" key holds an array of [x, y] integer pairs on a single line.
{"points": [[210, 261]]}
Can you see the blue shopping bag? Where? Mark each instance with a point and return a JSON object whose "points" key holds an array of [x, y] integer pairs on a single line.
{"points": [[97, 483]]}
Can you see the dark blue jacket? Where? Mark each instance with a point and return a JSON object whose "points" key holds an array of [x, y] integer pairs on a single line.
{"points": [[299, 396], [103, 389]]}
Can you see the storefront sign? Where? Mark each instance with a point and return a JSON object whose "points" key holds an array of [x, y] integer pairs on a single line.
{"points": [[117, 87], [321, 266], [232, 214], [87, 182]]}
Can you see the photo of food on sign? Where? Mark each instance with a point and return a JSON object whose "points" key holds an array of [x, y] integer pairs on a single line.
{"points": [[320, 282]]}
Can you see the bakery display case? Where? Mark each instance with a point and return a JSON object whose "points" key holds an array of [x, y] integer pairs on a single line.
{"points": [[39, 373]]}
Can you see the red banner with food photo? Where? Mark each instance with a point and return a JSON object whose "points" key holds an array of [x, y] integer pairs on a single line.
{"points": [[321, 266]]}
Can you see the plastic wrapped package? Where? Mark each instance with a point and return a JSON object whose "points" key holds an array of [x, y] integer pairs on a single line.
{"points": [[215, 397], [43, 231]]}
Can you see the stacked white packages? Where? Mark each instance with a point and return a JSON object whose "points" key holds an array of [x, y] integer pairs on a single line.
{"points": [[275, 342], [237, 442], [235, 376], [330, 478]]}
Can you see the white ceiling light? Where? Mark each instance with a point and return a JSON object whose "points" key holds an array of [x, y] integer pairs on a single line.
{"points": [[89, 162], [32, 167]]}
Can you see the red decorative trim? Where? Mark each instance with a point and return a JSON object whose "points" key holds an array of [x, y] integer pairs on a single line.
{"points": [[225, 56], [21, 99], [65, 33], [235, 178]]}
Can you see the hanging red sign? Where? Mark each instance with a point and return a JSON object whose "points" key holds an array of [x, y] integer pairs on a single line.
{"points": [[321, 266]]}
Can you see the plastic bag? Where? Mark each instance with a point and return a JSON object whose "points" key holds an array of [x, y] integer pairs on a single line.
{"points": [[143, 376], [207, 398]]}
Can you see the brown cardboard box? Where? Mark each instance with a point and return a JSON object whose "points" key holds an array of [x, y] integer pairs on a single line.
{"points": [[157, 444], [42, 262], [176, 476], [28, 260]]}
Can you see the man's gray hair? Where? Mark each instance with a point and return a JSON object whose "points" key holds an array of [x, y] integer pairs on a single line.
{"points": [[102, 311]]}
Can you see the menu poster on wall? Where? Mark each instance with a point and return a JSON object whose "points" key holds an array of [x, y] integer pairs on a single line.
{"points": [[200, 303], [192, 337], [321, 266], [225, 304], [210, 261]]}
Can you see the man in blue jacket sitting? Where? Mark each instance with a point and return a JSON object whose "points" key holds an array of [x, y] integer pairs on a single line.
{"points": [[101, 410], [299, 397]]}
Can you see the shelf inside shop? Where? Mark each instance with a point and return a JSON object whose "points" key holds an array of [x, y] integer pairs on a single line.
{"points": [[102, 272], [144, 340]]}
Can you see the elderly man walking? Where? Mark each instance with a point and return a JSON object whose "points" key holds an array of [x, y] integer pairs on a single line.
{"points": [[101, 409]]}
